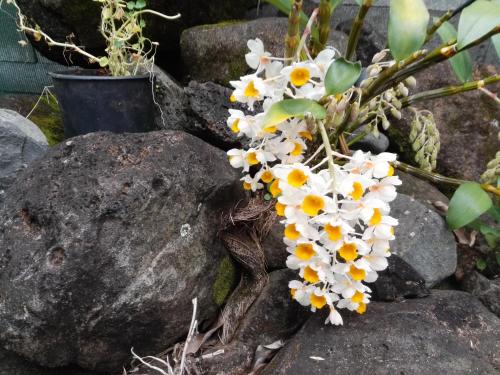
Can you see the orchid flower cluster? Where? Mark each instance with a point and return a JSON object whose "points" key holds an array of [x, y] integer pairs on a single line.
{"points": [[336, 218]]}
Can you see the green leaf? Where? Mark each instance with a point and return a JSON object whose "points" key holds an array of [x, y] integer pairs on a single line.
{"points": [[481, 264], [341, 76], [468, 203], [477, 20], [103, 62], [131, 5], [140, 4], [142, 23], [496, 43], [408, 20], [289, 108], [460, 63], [491, 235]]}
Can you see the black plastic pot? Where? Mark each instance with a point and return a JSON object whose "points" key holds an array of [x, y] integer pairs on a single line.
{"points": [[93, 102]]}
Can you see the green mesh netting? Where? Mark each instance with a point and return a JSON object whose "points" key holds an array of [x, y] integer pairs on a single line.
{"points": [[22, 69]]}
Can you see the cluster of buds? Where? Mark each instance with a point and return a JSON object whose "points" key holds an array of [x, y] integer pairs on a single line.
{"points": [[425, 140], [492, 173], [336, 219]]}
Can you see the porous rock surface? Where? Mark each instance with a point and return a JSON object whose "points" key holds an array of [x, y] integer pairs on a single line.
{"points": [[217, 52], [105, 243], [423, 240], [449, 333]]}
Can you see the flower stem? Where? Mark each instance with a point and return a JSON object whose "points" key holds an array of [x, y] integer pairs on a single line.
{"points": [[356, 28], [328, 150]]}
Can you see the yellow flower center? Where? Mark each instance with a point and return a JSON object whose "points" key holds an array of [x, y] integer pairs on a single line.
{"points": [[251, 91], [390, 173], [292, 292], [348, 251], [291, 232], [296, 178], [234, 126], [356, 273], [280, 209], [312, 204], [271, 129], [317, 301], [357, 191], [310, 275], [307, 135], [357, 297], [376, 217], [300, 76], [297, 150], [274, 188], [304, 251], [252, 158], [232, 99], [392, 231], [267, 177], [247, 186], [362, 308], [334, 232]]}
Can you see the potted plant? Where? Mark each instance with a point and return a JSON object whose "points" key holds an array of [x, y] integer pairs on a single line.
{"points": [[118, 96]]}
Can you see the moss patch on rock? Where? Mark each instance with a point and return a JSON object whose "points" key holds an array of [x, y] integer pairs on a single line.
{"points": [[225, 280], [47, 116]]}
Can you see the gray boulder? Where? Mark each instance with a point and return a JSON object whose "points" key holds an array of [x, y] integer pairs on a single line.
{"points": [[421, 190], [217, 52], [398, 281], [423, 240], [488, 291], [21, 142], [106, 242], [448, 333], [13, 364], [370, 142]]}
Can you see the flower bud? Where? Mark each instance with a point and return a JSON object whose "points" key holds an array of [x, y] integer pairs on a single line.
{"points": [[411, 82], [396, 113]]}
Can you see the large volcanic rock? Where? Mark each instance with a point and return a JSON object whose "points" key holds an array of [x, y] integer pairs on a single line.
{"points": [[217, 52], [449, 333], [105, 243]]}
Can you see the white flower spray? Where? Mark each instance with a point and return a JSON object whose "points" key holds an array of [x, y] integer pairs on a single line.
{"points": [[336, 217]]}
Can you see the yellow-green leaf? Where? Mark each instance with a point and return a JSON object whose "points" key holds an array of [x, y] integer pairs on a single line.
{"points": [[341, 76], [477, 20], [408, 20], [460, 63], [289, 108], [468, 203]]}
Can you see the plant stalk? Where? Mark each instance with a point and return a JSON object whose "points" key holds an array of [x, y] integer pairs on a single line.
{"points": [[356, 29], [324, 17], [292, 38], [439, 179], [450, 90], [328, 150]]}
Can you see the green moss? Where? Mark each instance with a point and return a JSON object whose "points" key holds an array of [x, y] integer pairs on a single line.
{"points": [[225, 280], [47, 116], [218, 25]]}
